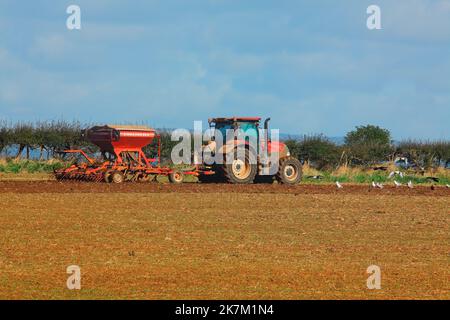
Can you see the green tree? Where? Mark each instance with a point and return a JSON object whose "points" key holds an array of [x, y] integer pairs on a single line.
{"points": [[368, 145], [425, 153], [318, 151]]}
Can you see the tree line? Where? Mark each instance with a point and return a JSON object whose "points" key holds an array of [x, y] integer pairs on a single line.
{"points": [[369, 146], [46, 139], [364, 146]]}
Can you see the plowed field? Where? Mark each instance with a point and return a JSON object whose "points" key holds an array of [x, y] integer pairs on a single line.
{"points": [[161, 241]]}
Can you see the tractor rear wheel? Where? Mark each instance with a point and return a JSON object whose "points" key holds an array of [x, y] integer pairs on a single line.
{"points": [[290, 171], [117, 177], [240, 171], [176, 177]]}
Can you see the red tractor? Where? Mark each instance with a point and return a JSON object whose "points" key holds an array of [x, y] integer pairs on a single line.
{"points": [[251, 167]]}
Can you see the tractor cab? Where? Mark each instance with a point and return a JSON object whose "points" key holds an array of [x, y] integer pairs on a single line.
{"points": [[249, 126]]}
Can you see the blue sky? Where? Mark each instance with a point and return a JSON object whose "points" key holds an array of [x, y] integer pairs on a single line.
{"points": [[312, 66]]}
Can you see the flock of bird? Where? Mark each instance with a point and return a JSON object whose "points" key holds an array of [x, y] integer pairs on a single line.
{"points": [[377, 185]]}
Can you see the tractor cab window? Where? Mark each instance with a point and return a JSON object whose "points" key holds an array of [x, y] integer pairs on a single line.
{"points": [[249, 128], [223, 127]]}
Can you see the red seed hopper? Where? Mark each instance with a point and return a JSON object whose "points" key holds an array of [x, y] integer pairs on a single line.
{"points": [[122, 141]]}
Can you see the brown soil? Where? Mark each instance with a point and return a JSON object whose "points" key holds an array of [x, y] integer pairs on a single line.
{"points": [[92, 187], [194, 241]]}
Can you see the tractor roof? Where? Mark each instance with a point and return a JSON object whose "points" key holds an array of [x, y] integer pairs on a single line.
{"points": [[245, 119]]}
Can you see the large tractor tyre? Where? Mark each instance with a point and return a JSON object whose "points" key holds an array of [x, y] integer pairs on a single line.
{"points": [[117, 177], [240, 171], [290, 171], [176, 177]]}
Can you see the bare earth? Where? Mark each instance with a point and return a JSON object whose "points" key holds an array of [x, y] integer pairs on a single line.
{"points": [[160, 241]]}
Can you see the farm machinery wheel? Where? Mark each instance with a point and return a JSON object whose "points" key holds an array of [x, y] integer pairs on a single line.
{"points": [[176, 177], [290, 171], [117, 177], [241, 171]]}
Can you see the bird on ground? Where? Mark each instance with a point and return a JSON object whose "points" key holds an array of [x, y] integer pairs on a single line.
{"points": [[397, 184], [448, 186], [377, 185], [393, 173], [338, 185], [318, 177], [410, 184]]}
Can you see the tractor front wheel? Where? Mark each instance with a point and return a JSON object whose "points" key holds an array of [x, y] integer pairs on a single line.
{"points": [[290, 171]]}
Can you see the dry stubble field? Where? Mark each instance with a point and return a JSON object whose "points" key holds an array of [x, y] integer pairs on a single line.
{"points": [[222, 242]]}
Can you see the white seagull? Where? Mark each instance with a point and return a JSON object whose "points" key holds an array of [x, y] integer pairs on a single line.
{"points": [[393, 173], [377, 185], [410, 184], [448, 186], [397, 184], [338, 185]]}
